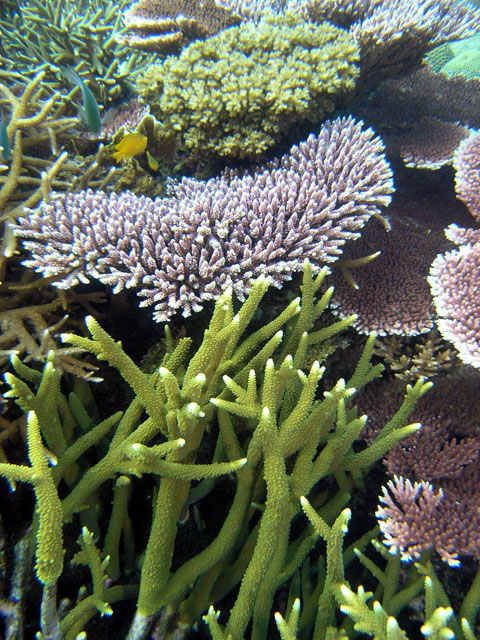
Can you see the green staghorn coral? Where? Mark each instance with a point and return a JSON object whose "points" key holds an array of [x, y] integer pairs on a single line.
{"points": [[237, 93], [240, 404], [55, 34]]}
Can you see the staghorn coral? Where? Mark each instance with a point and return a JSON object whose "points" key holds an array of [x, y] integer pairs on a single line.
{"points": [[182, 250], [167, 26], [237, 93], [267, 413], [395, 35], [25, 332], [33, 123], [55, 34], [37, 129]]}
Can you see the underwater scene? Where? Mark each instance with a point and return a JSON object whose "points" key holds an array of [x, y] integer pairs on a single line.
{"points": [[239, 319]]}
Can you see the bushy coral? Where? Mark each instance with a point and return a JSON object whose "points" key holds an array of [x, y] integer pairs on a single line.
{"points": [[237, 92]]}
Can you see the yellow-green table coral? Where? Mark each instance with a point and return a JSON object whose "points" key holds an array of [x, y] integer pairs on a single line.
{"points": [[237, 92]]}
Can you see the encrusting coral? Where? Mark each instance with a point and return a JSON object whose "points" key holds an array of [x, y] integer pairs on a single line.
{"points": [[237, 93], [275, 432], [181, 250], [457, 58]]}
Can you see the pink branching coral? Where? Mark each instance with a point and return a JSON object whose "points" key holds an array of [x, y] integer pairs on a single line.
{"points": [[467, 176], [455, 276], [434, 501], [414, 517], [455, 282], [186, 248]]}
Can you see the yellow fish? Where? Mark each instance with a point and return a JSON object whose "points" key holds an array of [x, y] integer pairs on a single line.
{"points": [[152, 162], [130, 145]]}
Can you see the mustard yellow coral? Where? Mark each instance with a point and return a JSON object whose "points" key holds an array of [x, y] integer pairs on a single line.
{"points": [[236, 93]]}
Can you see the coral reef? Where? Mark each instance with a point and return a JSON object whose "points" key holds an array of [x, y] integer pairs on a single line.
{"points": [[237, 93], [182, 250], [221, 476], [395, 35]]}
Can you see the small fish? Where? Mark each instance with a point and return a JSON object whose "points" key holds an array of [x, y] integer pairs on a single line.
{"points": [[4, 141], [152, 162], [130, 145], [90, 106]]}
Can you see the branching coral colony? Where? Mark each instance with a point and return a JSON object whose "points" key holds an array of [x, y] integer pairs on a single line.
{"points": [[242, 404]]}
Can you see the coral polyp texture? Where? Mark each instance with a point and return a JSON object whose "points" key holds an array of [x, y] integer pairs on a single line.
{"points": [[392, 295], [168, 25], [183, 249], [239, 92], [394, 35], [467, 176], [455, 281]]}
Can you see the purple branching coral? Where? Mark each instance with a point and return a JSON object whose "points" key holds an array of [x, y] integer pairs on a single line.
{"points": [[414, 517], [183, 249], [433, 501]]}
